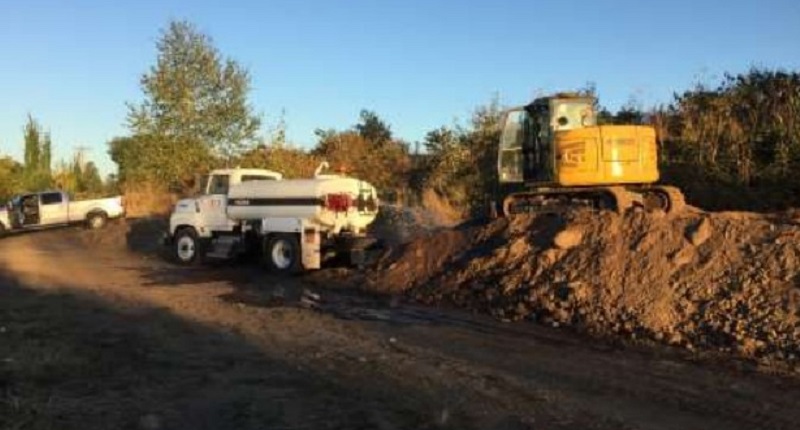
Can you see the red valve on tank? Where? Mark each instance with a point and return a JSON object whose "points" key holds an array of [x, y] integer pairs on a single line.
{"points": [[338, 202]]}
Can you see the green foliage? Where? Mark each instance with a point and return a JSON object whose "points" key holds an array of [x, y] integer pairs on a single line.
{"points": [[373, 128], [291, 162], [195, 111], [461, 162], [36, 171], [32, 145], [146, 158], [746, 131], [10, 178], [89, 181], [369, 152], [79, 179], [46, 156]]}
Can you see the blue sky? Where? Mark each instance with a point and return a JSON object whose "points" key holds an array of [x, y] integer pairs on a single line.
{"points": [[418, 63]]}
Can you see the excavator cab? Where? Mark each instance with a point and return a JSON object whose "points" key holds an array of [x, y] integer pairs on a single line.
{"points": [[553, 152], [526, 152]]}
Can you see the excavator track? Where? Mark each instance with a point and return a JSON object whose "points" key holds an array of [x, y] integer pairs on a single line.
{"points": [[616, 198]]}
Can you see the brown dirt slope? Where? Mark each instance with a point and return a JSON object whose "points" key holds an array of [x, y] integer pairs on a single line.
{"points": [[722, 281]]}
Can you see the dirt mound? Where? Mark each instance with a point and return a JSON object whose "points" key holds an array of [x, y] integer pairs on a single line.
{"points": [[139, 235], [724, 281], [398, 225]]}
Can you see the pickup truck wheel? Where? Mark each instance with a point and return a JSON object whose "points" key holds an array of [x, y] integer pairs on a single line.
{"points": [[96, 220], [282, 253], [187, 247]]}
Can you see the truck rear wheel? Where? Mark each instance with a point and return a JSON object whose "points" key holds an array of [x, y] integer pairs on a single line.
{"points": [[96, 220], [282, 253], [187, 247]]}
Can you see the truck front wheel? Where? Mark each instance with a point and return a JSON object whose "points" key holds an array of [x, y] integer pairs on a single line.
{"points": [[187, 247], [282, 253]]}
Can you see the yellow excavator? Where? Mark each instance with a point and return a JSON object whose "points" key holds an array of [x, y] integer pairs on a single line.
{"points": [[553, 156]]}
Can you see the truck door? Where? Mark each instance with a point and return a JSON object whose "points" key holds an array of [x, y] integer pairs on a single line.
{"points": [[510, 157], [215, 202], [29, 211], [53, 208]]}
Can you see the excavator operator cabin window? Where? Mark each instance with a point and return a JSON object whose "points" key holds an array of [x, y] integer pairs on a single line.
{"points": [[572, 114], [510, 159]]}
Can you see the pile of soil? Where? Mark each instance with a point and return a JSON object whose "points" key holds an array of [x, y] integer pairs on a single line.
{"points": [[725, 281], [139, 235], [397, 225]]}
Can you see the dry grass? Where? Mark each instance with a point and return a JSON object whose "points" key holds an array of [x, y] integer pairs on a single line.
{"points": [[148, 199], [441, 209]]}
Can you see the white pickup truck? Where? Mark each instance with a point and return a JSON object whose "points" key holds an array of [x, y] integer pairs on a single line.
{"points": [[53, 208]]}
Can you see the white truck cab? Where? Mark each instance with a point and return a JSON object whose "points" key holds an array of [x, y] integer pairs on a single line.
{"points": [[207, 213], [293, 223]]}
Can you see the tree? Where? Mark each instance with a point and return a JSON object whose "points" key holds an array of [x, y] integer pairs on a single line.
{"points": [[142, 158], [447, 158], [383, 167], [78, 178], [89, 181], [32, 146], [367, 151], [195, 106], [461, 164], [746, 130], [291, 162], [36, 172], [372, 128], [10, 177], [46, 155]]}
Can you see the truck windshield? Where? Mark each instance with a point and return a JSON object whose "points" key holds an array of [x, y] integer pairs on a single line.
{"points": [[217, 184]]}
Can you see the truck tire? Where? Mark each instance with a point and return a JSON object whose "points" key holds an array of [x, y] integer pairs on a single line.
{"points": [[187, 247], [282, 253], [96, 220]]}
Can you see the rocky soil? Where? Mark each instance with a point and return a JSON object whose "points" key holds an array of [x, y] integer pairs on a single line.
{"points": [[726, 282]]}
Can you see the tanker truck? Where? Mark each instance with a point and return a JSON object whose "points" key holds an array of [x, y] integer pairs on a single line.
{"points": [[291, 223]]}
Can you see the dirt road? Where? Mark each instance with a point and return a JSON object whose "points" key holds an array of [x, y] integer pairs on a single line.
{"points": [[98, 332]]}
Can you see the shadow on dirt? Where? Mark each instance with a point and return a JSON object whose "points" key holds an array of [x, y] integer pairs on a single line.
{"points": [[144, 236], [70, 360], [170, 275]]}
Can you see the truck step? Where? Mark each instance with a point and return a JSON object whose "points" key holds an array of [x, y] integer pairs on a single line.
{"points": [[223, 247]]}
